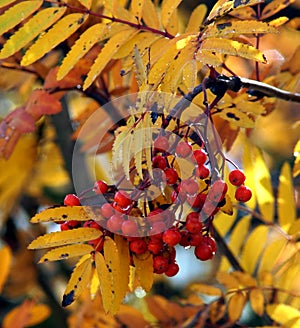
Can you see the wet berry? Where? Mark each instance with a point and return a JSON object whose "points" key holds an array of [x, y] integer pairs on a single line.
{"points": [[172, 270], [171, 176], [138, 246], [122, 198], [160, 264], [200, 156], [71, 200], [183, 149], [237, 177], [171, 237], [243, 194], [100, 187]]}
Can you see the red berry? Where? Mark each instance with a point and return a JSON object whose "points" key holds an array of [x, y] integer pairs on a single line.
{"points": [[237, 177], [129, 228], [138, 246], [193, 223], [100, 187], [172, 270], [183, 149], [122, 198], [161, 144], [197, 201], [243, 194], [107, 210], [97, 243], [171, 237], [114, 223], [189, 186], [195, 239], [217, 191], [204, 252], [159, 162], [71, 200], [160, 264], [155, 246], [200, 156], [171, 176], [92, 224], [68, 225], [185, 239], [211, 242], [202, 172]]}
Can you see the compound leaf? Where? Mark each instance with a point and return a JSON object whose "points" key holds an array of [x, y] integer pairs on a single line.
{"points": [[30, 30], [65, 237], [16, 14], [57, 34], [66, 252], [80, 278]]}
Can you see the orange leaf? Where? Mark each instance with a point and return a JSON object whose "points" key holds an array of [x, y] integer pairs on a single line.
{"points": [[6, 257], [257, 301], [235, 306]]}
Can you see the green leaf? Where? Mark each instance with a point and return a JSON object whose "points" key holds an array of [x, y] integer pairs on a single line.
{"points": [[31, 29], [16, 14], [65, 237], [57, 34]]}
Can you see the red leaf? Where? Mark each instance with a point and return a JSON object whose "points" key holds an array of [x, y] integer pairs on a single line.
{"points": [[41, 103]]}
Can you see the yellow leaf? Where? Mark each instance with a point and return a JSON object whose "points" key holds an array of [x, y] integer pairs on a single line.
{"points": [[189, 74], [206, 289], [6, 260], [285, 200], [5, 3], [80, 278], [137, 8], [223, 222], [144, 270], [16, 14], [243, 104], [295, 228], [140, 69], [282, 313], [112, 260], [209, 58], [244, 278], [66, 252], [60, 238], [253, 248], [289, 280], [25, 315], [105, 281], [150, 15], [217, 311], [278, 21], [57, 34], [227, 280], [31, 29], [273, 7], [233, 48], [124, 256], [67, 213], [229, 29], [196, 19], [296, 168], [107, 52], [87, 40], [235, 306], [239, 234], [173, 25], [236, 117], [86, 3], [167, 9], [257, 301], [244, 13]]}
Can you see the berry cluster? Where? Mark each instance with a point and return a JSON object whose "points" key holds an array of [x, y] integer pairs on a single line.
{"points": [[181, 216]]}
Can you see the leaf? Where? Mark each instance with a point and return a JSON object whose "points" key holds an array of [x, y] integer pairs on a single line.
{"points": [[282, 313], [208, 58], [25, 315], [233, 48], [131, 317], [296, 168], [217, 311], [150, 15], [168, 7], [236, 118], [66, 252], [31, 29], [244, 278], [235, 306], [105, 281], [5, 3], [42, 103], [196, 19], [244, 13], [144, 270], [137, 8], [86, 3], [57, 34], [257, 301], [110, 48], [230, 29], [112, 260], [239, 234], [16, 14], [80, 278], [65, 237], [285, 200], [140, 69], [206, 289], [6, 261], [67, 213], [274, 7], [87, 40], [253, 248], [227, 280]]}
